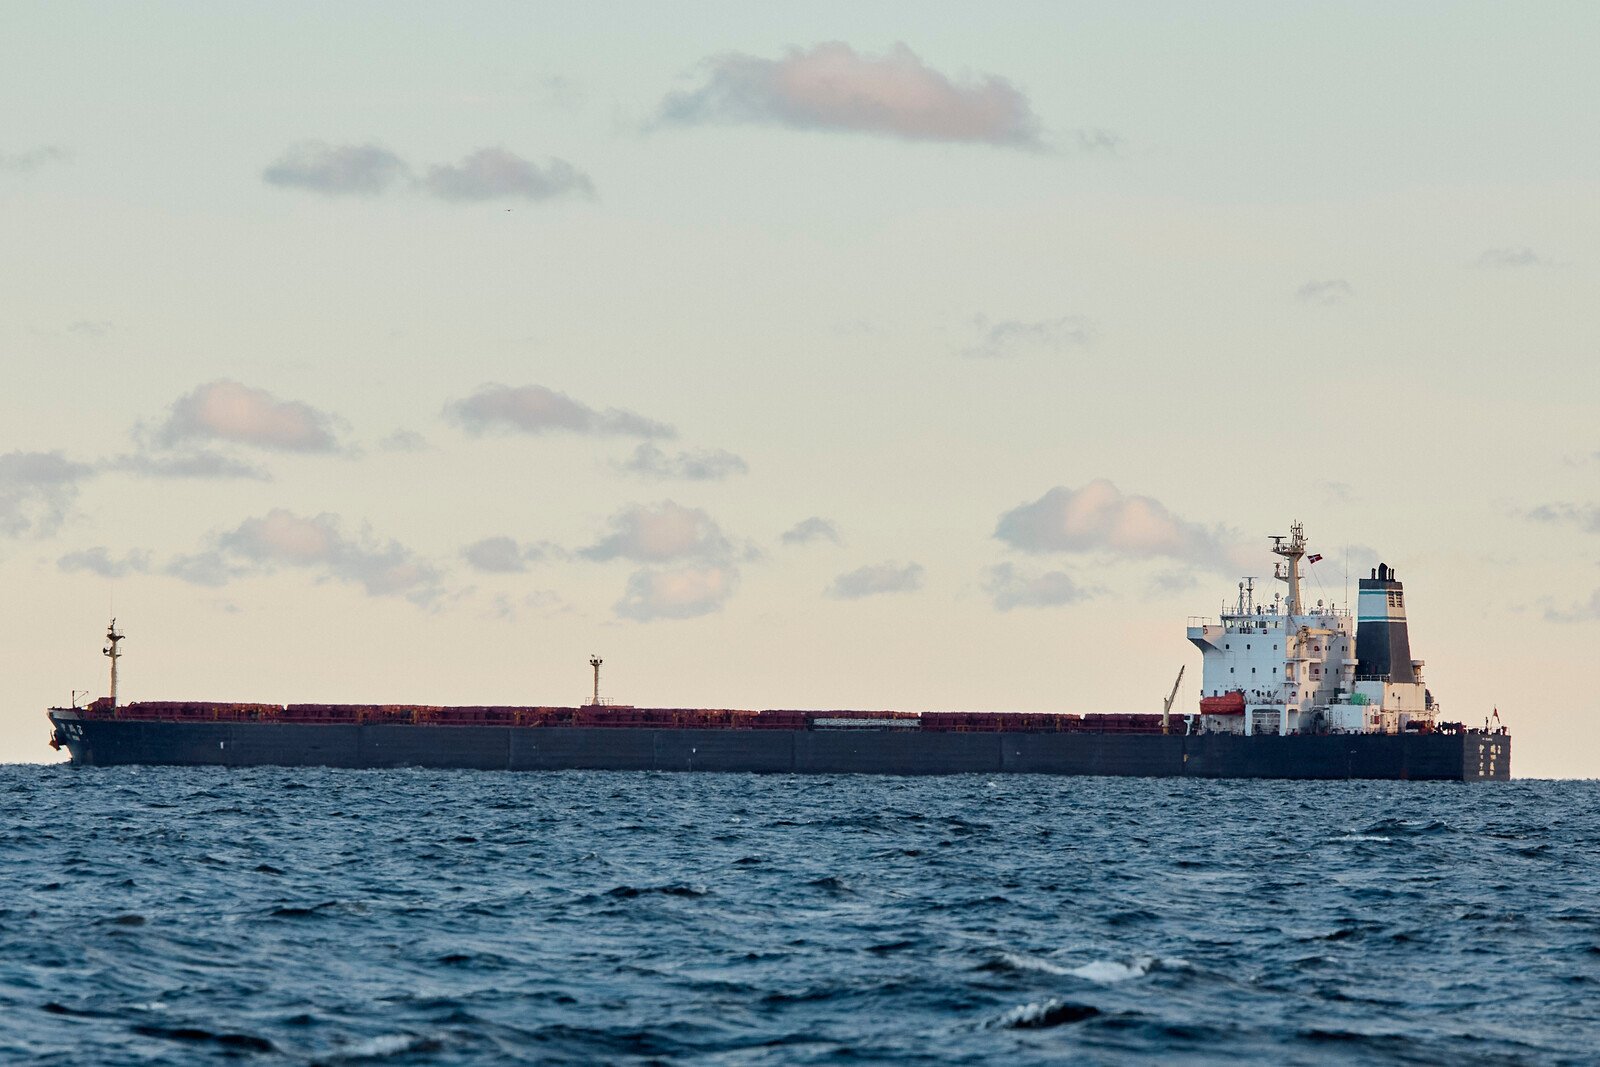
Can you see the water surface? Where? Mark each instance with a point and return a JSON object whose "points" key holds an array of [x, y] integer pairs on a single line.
{"points": [[154, 915]]}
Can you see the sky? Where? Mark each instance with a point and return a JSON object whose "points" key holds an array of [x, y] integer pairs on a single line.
{"points": [[832, 356]]}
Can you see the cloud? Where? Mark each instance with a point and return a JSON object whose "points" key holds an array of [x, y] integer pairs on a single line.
{"points": [[202, 464], [1330, 291], [833, 87], [1101, 518], [36, 490], [368, 170], [1511, 257], [204, 568], [541, 602], [281, 538], [504, 555], [98, 560], [678, 593], [491, 173], [1097, 140], [1013, 337], [708, 465], [1588, 611], [33, 158], [1010, 588], [404, 441], [806, 531], [873, 580], [90, 327], [1585, 517], [661, 533], [336, 170], [226, 410], [536, 410]]}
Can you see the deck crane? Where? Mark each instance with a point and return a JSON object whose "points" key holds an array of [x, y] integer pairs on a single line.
{"points": [[1166, 705]]}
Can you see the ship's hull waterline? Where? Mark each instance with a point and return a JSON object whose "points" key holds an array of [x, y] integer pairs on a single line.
{"points": [[1461, 756]]}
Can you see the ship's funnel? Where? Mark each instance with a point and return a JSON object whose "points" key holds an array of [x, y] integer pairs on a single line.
{"points": [[1383, 645]]}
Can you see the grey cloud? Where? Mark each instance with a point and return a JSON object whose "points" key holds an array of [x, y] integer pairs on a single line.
{"points": [[1330, 291], [874, 580], [1585, 517], [33, 158], [1100, 518], [369, 170], [90, 327], [504, 555], [679, 593], [98, 560], [704, 466], [541, 602], [496, 555], [806, 531], [226, 410], [492, 173], [1013, 337], [1097, 140], [36, 490], [661, 533], [204, 568], [1010, 588], [282, 538], [1588, 611], [1521, 256], [833, 87], [404, 441], [198, 465], [536, 410], [337, 170]]}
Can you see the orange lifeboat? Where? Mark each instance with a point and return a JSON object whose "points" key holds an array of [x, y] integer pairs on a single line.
{"points": [[1226, 704]]}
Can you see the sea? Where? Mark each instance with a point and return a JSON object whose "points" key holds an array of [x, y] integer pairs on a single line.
{"points": [[196, 915]]}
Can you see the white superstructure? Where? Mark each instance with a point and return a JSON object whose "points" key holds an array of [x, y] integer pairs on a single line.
{"points": [[1288, 667]]}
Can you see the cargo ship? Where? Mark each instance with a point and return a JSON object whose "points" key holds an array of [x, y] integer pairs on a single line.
{"points": [[1289, 690]]}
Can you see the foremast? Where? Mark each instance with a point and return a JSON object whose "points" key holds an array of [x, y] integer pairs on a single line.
{"points": [[113, 653]]}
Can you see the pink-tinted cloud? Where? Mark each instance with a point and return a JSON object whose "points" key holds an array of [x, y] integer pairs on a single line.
{"points": [[226, 410], [281, 538], [660, 533], [1102, 518], [831, 86], [680, 593]]}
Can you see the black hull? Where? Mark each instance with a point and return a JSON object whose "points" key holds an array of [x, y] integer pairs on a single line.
{"points": [[1421, 757]]}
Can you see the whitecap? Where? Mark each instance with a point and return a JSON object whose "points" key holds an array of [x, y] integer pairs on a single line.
{"points": [[1018, 962], [1108, 972], [383, 1046]]}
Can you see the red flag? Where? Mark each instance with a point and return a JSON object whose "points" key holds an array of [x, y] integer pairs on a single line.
{"points": [[1313, 559]]}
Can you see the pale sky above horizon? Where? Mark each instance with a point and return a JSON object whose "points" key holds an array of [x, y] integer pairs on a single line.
{"points": [[913, 356]]}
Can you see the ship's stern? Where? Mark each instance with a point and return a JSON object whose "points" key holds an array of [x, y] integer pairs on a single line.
{"points": [[1486, 757]]}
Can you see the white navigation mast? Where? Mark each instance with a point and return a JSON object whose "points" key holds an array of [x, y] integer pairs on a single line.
{"points": [[1290, 572], [113, 653]]}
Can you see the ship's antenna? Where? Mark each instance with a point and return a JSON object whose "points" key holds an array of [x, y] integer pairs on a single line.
{"points": [[595, 661], [1289, 572], [113, 653]]}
